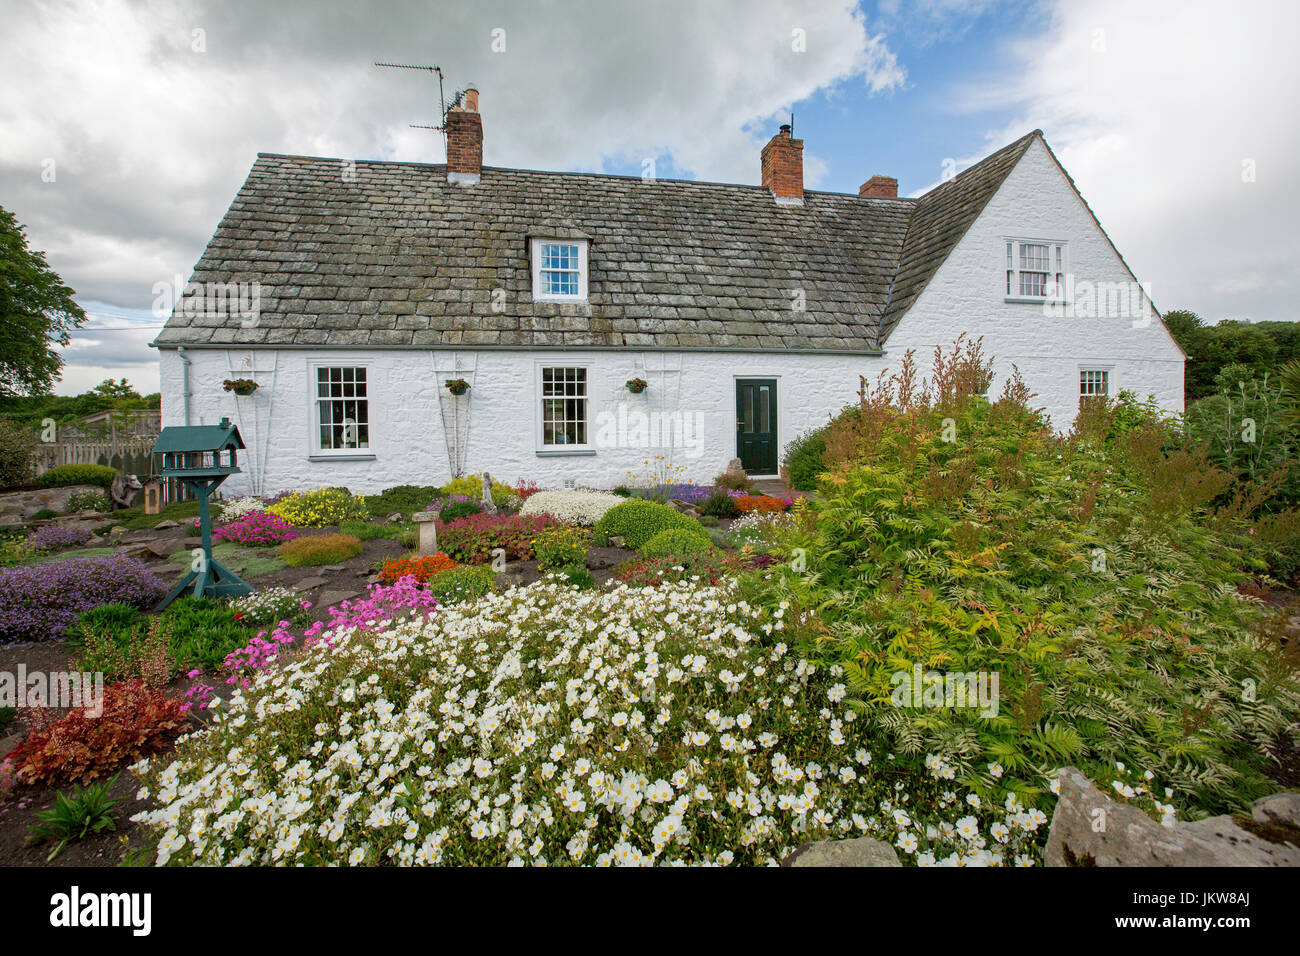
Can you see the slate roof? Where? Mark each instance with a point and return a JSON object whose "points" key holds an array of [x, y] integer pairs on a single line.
{"points": [[382, 254]]}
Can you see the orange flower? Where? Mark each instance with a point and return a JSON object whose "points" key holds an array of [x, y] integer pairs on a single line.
{"points": [[419, 568]]}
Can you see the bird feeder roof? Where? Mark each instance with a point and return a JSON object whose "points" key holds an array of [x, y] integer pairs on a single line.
{"points": [[194, 438]]}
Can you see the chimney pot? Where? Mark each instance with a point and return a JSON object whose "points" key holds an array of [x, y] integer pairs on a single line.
{"points": [[879, 187], [782, 167], [471, 98]]}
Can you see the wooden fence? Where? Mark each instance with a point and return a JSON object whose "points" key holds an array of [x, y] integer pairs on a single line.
{"points": [[132, 456]]}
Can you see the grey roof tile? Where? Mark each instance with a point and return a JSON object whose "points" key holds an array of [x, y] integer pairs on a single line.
{"points": [[399, 257]]}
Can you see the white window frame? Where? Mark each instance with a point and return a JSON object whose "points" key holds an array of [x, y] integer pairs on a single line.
{"points": [[1108, 377], [1058, 267], [319, 451], [539, 398], [535, 254]]}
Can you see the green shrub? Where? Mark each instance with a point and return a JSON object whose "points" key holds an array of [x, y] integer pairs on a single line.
{"points": [[559, 547], [735, 480], [708, 521], [673, 542], [8, 715], [17, 454], [88, 501], [65, 475], [637, 521], [459, 509], [720, 505], [45, 513], [1092, 573], [623, 491], [320, 549], [406, 499], [803, 459], [465, 582]]}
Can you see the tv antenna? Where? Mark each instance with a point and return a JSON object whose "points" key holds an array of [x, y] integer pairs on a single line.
{"points": [[443, 107]]}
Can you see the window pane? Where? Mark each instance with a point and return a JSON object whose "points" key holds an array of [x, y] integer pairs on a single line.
{"points": [[1033, 256]]}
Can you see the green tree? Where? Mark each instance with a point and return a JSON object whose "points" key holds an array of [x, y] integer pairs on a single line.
{"points": [[37, 311]]}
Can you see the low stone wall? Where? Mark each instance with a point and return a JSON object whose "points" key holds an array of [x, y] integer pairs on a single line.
{"points": [[18, 507]]}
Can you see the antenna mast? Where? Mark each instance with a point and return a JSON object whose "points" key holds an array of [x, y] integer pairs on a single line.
{"points": [[442, 99]]}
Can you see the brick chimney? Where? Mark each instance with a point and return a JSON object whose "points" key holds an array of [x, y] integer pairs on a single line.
{"points": [[879, 187], [783, 167], [465, 141]]}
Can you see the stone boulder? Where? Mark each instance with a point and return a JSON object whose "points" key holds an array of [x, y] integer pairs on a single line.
{"points": [[863, 851], [1090, 829]]}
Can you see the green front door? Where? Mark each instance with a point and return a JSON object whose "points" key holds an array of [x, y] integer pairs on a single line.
{"points": [[756, 445]]}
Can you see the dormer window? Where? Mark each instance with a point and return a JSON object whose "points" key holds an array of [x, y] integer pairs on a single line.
{"points": [[559, 270], [1035, 270]]}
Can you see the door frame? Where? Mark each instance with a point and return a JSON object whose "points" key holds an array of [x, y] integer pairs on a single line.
{"points": [[775, 379]]}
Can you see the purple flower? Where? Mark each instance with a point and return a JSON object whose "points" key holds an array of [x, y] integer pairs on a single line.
{"points": [[40, 601], [53, 537]]}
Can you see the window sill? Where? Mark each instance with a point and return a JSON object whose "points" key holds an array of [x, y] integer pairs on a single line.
{"points": [[570, 299], [566, 453], [361, 457], [1030, 300]]}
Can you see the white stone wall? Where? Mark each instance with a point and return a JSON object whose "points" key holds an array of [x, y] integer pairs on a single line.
{"points": [[407, 435], [968, 293]]}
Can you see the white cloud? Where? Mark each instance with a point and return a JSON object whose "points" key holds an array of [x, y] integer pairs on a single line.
{"points": [[1153, 108]]}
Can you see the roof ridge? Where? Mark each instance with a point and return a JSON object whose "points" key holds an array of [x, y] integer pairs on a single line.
{"points": [[581, 173]]}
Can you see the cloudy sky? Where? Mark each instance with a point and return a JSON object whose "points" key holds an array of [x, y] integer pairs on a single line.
{"points": [[126, 127]]}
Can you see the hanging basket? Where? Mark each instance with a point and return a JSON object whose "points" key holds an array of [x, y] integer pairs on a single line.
{"points": [[240, 386], [636, 385], [457, 386]]}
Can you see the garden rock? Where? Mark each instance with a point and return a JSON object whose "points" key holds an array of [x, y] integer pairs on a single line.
{"points": [[167, 523], [1090, 829], [1280, 808], [309, 584], [330, 598], [164, 547], [864, 851], [395, 518]]}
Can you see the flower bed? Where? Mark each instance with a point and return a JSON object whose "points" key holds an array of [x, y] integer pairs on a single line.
{"points": [[421, 569], [573, 506], [235, 508], [763, 504], [40, 601], [56, 537], [257, 528], [729, 749], [320, 508], [473, 539]]}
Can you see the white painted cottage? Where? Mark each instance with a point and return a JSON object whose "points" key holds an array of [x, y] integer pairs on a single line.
{"points": [[352, 292]]}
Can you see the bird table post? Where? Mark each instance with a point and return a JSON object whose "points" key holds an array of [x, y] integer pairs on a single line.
{"points": [[192, 453]]}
